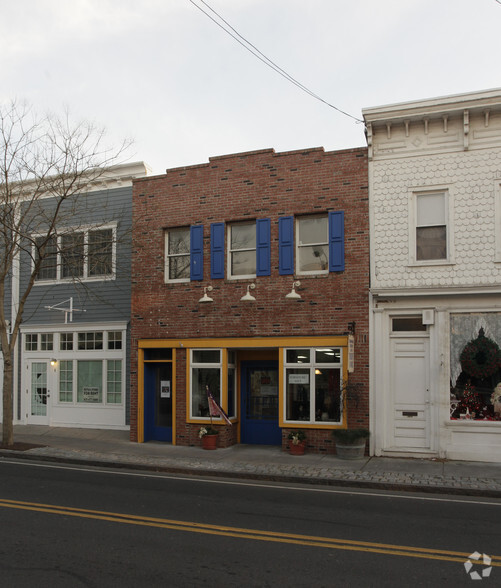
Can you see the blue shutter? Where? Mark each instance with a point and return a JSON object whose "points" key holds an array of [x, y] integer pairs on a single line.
{"points": [[217, 250], [336, 241], [197, 252], [263, 248], [286, 245]]}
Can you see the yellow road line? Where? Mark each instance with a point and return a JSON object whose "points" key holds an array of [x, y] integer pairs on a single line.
{"points": [[242, 533]]}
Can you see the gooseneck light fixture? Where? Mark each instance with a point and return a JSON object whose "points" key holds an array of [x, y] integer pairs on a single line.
{"points": [[248, 297], [293, 295], [206, 298]]}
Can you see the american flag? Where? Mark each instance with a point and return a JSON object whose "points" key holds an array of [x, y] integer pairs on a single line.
{"points": [[215, 409]]}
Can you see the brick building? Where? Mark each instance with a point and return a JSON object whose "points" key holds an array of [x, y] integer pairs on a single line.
{"points": [[250, 275]]}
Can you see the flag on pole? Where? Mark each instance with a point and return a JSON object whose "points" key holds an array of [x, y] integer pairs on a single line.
{"points": [[214, 408]]}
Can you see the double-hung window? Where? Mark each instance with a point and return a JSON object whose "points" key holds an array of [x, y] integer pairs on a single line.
{"points": [[315, 246], [431, 227], [312, 237], [313, 384], [242, 250], [177, 255], [46, 255]]}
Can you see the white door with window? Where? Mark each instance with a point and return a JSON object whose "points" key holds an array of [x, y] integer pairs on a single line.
{"points": [[410, 394], [38, 384]]}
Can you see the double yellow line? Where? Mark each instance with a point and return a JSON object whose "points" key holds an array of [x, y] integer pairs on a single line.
{"points": [[253, 534]]}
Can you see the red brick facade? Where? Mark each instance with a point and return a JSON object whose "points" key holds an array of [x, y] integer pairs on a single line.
{"points": [[246, 187]]}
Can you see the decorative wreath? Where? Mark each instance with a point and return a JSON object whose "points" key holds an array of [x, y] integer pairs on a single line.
{"points": [[481, 357]]}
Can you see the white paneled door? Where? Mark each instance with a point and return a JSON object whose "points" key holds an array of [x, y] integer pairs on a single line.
{"points": [[410, 393]]}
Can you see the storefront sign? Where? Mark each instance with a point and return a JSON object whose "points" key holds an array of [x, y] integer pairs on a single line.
{"points": [[165, 389], [351, 353], [90, 394], [299, 378]]}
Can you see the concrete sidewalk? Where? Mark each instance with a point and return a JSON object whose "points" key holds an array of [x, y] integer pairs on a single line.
{"points": [[113, 449]]}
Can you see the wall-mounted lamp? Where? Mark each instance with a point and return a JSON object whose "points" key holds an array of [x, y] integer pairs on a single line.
{"points": [[351, 327], [53, 362], [206, 298], [248, 296], [293, 295]]}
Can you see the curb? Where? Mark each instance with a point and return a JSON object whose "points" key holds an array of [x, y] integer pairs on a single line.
{"points": [[269, 477]]}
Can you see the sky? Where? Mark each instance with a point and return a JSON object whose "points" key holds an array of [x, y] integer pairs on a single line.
{"points": [[161, 73]]}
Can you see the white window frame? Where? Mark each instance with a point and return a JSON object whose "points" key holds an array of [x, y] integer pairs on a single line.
{"points": [[231, 251], [311, 366], [212, 365], [168, 256], [414, 194], [299, 245], [85, 274]]}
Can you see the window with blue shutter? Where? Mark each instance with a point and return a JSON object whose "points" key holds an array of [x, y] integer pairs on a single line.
{"points": [[336, 241], [286, 245], [197, 252], [263, 247], [217, 250]]}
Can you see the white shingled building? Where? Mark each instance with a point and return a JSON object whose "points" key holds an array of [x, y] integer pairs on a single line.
{"points": [[435, 220]]}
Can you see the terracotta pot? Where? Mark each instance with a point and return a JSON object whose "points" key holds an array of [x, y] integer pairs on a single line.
{"points": [[209, 441], [297, 449]]}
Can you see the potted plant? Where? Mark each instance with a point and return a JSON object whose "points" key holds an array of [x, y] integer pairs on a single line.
{"points": [[297, 443], [208, 435], [350, 443]]}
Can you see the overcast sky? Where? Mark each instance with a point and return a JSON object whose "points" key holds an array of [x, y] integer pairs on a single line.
{"points": [[163, 74]]}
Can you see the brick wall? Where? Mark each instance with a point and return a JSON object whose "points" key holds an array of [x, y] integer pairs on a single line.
{"points": [[249, 186]]}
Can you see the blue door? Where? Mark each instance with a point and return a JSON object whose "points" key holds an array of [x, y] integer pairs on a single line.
{"points": [[259, 405], [158, 401]]}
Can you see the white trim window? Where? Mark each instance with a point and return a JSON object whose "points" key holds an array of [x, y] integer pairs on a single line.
{"points": [[84, 254], [313, 384], [242, 250], [206, 370], [430, 233], [177, 255], [312, 239]]}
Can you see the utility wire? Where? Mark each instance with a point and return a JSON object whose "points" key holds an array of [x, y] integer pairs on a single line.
{"points": [[262, 57]]}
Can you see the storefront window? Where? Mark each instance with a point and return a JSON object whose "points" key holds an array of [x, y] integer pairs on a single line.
{"points": [[313, 385], [90, 381], [206, 371], [66, 381], [475, 392], [114, 381]]}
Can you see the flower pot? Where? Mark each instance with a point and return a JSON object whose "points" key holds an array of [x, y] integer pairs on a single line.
{"points": [[497, 407], [297, 449], [352, 451], [209, 442]]}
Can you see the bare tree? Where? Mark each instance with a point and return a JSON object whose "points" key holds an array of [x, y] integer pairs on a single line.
{"points": [[45, 163]]}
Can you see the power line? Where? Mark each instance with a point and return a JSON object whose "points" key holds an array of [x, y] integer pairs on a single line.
{"points": [[262, 57]]}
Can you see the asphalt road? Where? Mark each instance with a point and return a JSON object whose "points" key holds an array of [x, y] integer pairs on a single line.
{"points": [[72, 527]]}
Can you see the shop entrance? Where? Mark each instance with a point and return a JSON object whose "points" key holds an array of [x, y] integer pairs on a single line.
{"points": [[38, 389], [259, 403], [158, 401]]}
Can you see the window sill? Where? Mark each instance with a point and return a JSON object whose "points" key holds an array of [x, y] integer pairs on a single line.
{"points": [[431, 263], [75, 280]]}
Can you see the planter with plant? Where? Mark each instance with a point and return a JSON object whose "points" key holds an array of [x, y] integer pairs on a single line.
{"points": [[297, 443], [350, 443], [208, 435]]}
